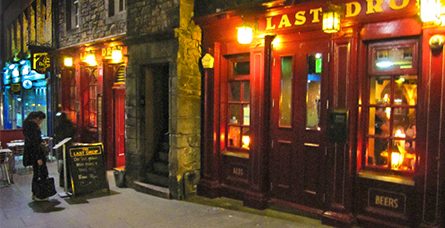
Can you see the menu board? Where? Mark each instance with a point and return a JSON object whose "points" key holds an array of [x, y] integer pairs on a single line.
{"points": [[86, 164]]}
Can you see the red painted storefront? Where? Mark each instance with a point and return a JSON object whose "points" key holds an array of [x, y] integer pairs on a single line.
{"points": [[346, 126], [92, 94]]}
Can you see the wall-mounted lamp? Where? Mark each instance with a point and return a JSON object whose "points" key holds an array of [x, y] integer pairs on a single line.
{"points": [[90, 59], [245, 34], [430, 10], [116, 56], [207, 61], [331, 18], [67, 61], [436, 42]]}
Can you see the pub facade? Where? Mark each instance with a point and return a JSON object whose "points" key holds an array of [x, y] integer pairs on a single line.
{"points": [[342, 121]]}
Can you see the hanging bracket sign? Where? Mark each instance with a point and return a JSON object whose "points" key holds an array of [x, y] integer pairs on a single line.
{"points": [[41, 62]]}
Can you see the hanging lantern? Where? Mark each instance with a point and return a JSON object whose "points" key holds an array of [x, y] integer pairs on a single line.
{"points": [[245, 34], [430, 10], [67, 61], [331, 19]]}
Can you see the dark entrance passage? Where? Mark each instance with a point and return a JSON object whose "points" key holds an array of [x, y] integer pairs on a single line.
{"points": [[156, 121]]}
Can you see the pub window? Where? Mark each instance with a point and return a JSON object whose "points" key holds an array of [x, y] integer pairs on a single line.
{"points": [[238, 103], [72, 14], [391, 107]]}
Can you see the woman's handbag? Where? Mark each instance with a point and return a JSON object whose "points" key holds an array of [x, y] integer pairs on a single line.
{"points": [[44, 187]]}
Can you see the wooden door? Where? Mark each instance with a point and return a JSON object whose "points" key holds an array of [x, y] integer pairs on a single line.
{"points": [[119, 125], [298, 122]]}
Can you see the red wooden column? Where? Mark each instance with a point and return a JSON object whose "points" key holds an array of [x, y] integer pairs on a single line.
{"points": [[430, 181], [209, 183]]}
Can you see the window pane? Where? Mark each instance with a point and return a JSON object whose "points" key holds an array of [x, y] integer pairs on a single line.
{"points": [[286, 92], [379, 121], [241, 68], [404, 122], [392, 58], [234, 136], [110, 8], [246, 115], [405, 90], [313, 102], [246, 96], [245, 140], [377, 152], [380, 90], [235, 114], [234, 91]]}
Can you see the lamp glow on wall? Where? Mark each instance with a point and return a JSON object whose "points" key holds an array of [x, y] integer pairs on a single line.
{"points": [[90, 59], [430, 10], [331, 18], [245, 34], [68, 61]]}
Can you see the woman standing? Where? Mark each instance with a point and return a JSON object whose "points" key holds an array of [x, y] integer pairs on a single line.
{"points": [[33, 141]]}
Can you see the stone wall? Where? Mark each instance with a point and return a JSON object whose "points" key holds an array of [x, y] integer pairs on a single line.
{"points": [[206, 7], [163, 32], [93, 24]]}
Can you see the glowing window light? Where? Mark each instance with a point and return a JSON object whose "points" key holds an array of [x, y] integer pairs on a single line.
{"points": [[245, 34], [384, 64], [246, 141]]}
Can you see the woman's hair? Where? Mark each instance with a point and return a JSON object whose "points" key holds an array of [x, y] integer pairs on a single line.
{"points": [[36, 114]]}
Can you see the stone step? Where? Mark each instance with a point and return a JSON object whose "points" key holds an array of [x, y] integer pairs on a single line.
{"points": [[156, 179], [163, 156], [160, 168], [152, 189]]}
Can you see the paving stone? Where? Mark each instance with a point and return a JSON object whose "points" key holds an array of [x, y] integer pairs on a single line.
{"points": [[124, 208]]}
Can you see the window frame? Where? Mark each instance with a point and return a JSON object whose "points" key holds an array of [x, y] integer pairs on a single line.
{"points": [[72, 15], [118, 14], [241, 79], [366, 106]]}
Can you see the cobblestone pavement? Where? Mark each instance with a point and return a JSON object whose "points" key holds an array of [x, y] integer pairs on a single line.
{"points": [[125, 207]]}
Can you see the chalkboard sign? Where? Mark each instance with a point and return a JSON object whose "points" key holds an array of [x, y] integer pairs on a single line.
{"points": [[87, 168]]}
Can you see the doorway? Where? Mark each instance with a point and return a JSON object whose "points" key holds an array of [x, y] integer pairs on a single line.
{"points": [[157, 115], [298, 123]]}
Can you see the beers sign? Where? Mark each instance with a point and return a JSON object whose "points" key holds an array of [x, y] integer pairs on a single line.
{"points": [[351, 9], [388, 200]]}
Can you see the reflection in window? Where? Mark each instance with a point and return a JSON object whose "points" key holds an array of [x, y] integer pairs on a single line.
{"points": [[392, 122], [286, 92], [238, 112], [313, 86]]}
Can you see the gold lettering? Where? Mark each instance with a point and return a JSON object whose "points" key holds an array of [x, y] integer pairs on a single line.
{"points": [[393, 4], [353, 9], [284, 22], [300, 18], [269, 25], [316, 14], [374, 8], [386, 201]]}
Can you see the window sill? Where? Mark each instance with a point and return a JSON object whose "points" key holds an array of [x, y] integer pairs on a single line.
{"points": [[391, 178], [243, 155]]}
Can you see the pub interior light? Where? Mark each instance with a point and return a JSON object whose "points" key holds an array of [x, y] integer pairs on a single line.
{"points": [[245, 34], [68, 61], [331, 18], [430, 10]]}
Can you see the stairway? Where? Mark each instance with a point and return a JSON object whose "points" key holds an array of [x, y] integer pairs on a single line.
{"points": [[158, 174]]}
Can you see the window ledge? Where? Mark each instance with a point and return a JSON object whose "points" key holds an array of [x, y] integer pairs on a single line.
{"points": [[236, 154], [397, 179]]}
